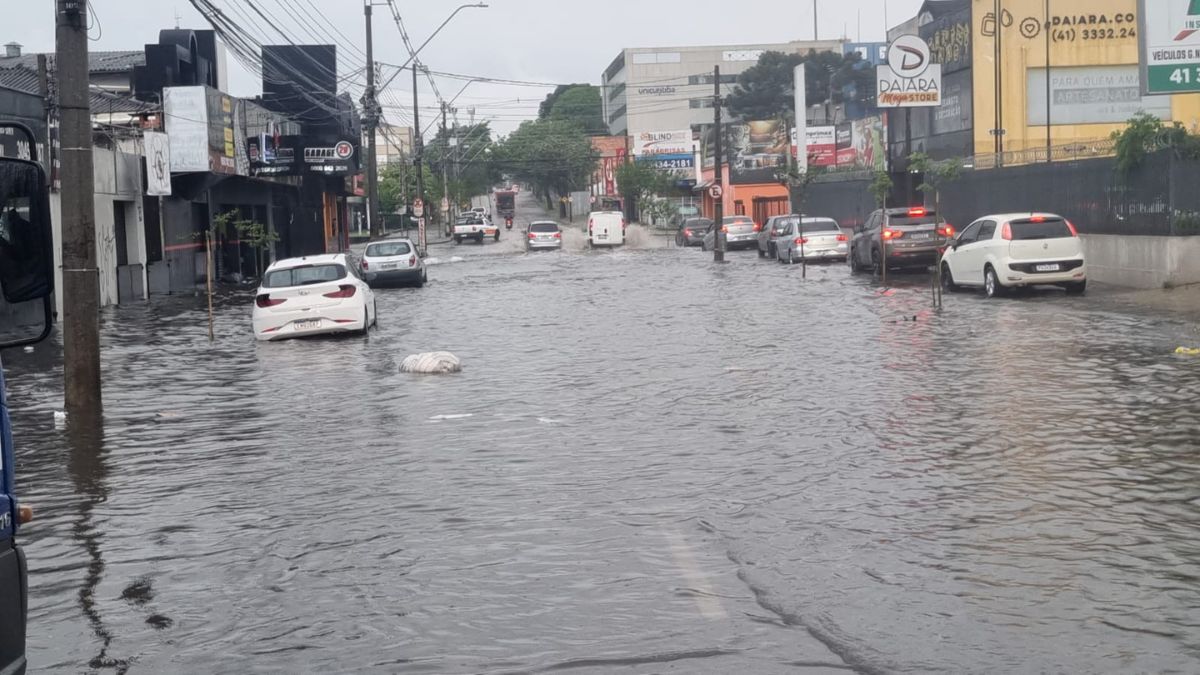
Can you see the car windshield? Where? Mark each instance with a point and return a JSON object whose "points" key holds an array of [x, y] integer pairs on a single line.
{"points": [[304, 276], [821, 226], [543, 227], [389, 248], [1048, 229]]}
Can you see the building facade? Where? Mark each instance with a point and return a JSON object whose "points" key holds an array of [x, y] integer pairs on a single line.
{"points": [[392, 144], [671, 88]]}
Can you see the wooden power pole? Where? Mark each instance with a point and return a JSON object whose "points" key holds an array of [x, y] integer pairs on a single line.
{"points": [[719, 173], [81, 278]]}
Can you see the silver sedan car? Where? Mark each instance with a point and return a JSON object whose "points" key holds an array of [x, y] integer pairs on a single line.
{"points": [[813, 239], [740, 233], [543, 235]]}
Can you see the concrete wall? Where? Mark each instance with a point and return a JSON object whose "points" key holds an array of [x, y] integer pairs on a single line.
{"points": [[118, 185], [1142, 262]]}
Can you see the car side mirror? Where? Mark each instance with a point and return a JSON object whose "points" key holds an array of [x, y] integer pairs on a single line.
{"points": [[26, 253]]}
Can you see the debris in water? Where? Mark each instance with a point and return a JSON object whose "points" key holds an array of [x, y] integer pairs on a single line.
{"points": [[432, 363]]}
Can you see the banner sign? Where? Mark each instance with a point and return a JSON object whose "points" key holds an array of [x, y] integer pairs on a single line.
{"points": [[1169, 42], [158, 164], [821, 146], [910, 79]]}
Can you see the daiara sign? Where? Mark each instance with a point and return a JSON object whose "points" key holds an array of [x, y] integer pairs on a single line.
{"points": [[910, 79]]}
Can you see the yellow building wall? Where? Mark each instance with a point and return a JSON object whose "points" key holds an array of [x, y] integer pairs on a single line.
{"points": [[1085, 33]]}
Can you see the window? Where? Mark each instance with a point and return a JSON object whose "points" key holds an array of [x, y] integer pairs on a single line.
{"points": [[700, 103], [987, 230], [543, 227], [652, 58], [742, 54], [616, 91], [1048, 229], [388, 249], [971, 234], [821, 226], [708, 79], [617, 114], [739, 207], [304, 276], [615, 67]]}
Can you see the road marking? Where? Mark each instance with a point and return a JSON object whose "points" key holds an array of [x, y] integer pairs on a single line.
{"points": [[705, 595]]}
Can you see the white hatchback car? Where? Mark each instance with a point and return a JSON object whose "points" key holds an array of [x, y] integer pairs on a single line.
{"points": [[393, 261], [1016, 250], [316, 295]]}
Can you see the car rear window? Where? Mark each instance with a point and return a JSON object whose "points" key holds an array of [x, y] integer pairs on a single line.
{"points": [[304, 276], [737, 220], [1048, 229], [698, 224], [388, 248], [922, 220], [543, 227], [821, 226]]}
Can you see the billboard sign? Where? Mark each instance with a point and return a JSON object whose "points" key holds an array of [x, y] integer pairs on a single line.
{"points": [[760, 151], [870, 143], [672, 152], [1090, 95], [821, 146], [1169, 42], [845, 145], [158, 164], [910, 79], [186, 110]]}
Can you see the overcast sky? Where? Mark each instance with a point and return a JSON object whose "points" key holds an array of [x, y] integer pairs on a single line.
{"points": [[536, 40]]}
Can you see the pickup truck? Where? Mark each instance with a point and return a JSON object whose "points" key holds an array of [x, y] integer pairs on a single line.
{"points": [[474, 228]]}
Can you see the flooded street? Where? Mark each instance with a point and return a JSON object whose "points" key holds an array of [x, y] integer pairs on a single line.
{"points": [[650, 464]]}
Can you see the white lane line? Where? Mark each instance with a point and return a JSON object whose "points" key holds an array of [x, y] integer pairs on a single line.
{"points": [[705, 595]]}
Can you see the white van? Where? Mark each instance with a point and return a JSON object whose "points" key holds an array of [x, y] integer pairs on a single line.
{"points": [[606, 228]]}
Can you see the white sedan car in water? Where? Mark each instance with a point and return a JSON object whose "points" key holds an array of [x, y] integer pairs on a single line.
{"points": [[316, 295], [1016, 250]]}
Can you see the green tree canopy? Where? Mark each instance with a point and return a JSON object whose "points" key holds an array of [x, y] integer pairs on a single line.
{"points": [[580, 104], [552, 155], [464, 153], [765, 91]]}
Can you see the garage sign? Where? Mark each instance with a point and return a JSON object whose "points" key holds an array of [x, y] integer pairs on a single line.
{"points": [[910, 79]]}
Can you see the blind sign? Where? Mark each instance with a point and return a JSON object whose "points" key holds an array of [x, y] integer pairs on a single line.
{"points": [[1169, 39], [910, 79]]}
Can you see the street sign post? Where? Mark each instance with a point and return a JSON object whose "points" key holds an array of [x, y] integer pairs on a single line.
{"points": [[1169, 45], [418, 207], [715, 192]]}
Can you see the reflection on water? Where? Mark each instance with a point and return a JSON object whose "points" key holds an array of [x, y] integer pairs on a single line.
{"points": [[650, 463]]}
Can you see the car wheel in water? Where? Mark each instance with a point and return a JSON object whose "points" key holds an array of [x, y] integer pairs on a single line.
{"points": [[458, 240], [420, 283], [375, 306], [1078, 288], [991, 283], [761, 253], [704, 247], [791, 259], [876, 264], [948, 284]]}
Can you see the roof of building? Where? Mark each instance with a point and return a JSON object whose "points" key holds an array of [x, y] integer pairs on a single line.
{"points": [[98, 62], [25, 81], [20, 79]]}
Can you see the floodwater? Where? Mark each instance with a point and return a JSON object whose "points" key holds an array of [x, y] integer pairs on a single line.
{"points": [[650, 464]]}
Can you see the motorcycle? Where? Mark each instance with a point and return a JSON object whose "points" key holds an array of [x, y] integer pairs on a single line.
{"points": [[508, 223]]}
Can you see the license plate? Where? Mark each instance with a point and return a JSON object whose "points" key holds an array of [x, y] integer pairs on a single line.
{"points": [[920, 235], [308, 324], [602, 236], [1047, 268], [389, 266]]}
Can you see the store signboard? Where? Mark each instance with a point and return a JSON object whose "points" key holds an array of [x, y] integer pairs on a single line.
{"points": [[1169, 44]]}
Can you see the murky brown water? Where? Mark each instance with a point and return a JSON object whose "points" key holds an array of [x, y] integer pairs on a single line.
{"points": [[650, 464]]}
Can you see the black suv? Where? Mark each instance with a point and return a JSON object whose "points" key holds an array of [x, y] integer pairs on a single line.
{"points": [[912, 237]]}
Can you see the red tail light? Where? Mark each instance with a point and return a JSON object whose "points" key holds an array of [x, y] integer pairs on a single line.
{"points": [[343, 291], [687, 233], [842, 237], [412, 261], [1037, 219], [364, 264], [558, 235], [532, 235], [1074, 232], [266, 301], [889, 235], [725, 229], [1006, 232], [917, 212], [801, 241], [946, 230], [757, 227]]}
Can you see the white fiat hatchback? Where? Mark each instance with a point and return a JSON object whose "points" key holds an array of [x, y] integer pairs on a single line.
{"points": [[316, 295], [1016, 250]]}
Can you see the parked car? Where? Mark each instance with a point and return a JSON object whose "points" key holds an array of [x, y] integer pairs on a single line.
{"points": [[393, 261], [543, 234], [772, 233], [740, 233], [914, 237], [1007, 251], [606, 228], [691, 232], [813, 239], [316, 295]]}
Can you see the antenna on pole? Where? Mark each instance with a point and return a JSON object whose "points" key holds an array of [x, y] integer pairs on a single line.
{"points": [[177, 18]]}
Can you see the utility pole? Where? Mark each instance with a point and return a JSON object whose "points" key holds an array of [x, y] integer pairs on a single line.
{"points": [[419, 161], [815, 20], [718, 156], [1049, 137], [445, 166], [81, 278], [371, 122]]}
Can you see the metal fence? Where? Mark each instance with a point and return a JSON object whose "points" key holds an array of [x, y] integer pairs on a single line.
{"points": [[1059, 153]]}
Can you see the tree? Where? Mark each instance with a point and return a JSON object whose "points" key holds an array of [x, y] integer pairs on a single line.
{"points": [[554, 156], [881, 188], [1145, 134], [936, 174], [398, 185], [766, 91], [251, 233], [638, 181], [581, 104], [463, 153]]}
